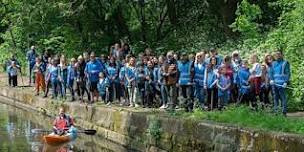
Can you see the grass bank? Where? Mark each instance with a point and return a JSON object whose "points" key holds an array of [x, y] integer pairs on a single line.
{"points": [[243, 116]]}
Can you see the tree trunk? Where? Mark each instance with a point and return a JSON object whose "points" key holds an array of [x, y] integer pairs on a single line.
{"points": [[172, 12]]}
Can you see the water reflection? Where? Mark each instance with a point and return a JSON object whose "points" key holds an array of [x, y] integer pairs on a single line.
{"points": [[16, 136]]}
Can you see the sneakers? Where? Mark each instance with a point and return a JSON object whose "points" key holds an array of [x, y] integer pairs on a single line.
{"points": [[131, 105], [109, 104], [136, 106], [164, 106]]}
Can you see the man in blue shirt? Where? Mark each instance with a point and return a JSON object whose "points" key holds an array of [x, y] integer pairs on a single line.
{"points": [[31, 57], [92, 70], [279, 78]]}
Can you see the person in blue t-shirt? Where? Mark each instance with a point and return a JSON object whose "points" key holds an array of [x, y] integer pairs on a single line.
{"points": [[92, 70]]}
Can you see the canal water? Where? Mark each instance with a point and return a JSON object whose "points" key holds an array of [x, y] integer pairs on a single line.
{"points": [[16, 135]]}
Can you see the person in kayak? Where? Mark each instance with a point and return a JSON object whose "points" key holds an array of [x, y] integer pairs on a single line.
{"points": [[62, 123]]}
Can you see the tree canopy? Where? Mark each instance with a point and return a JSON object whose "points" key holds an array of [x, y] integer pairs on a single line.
{"points": [[74, 26]]}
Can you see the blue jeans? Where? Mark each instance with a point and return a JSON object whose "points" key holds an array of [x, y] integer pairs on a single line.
{"points": [[280, 94], [55, 85], [200, 95], [71, 88], [223, 98], [30, 72], [164, 93], [63, 86]]}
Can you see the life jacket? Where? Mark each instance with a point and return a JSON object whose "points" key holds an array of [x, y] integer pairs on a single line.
{"points": [[93, 69], [64, 123], [112, 71], [184, 72], [199, 74], [122, 74], [243, 78], [130, 74], [210, 78], [280, 76], [102, 85]]}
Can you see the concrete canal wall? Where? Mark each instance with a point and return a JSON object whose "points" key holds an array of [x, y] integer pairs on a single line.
{"points": [[148, 130]]}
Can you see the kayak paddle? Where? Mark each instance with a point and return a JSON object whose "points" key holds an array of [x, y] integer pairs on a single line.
{"points": [[86, 131]]}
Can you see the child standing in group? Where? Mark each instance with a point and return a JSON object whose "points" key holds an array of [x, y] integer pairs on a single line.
{"points": [[265, 86], [103, 88], [38, 69], [13, 72], [223, 84], [71, 77], [210, 85], [243, 83]]}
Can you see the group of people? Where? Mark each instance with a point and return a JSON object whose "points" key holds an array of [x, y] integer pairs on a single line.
{"points": [[172, 80]]}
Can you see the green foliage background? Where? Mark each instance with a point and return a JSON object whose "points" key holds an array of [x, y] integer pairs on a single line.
{"points": [[71, 27]]}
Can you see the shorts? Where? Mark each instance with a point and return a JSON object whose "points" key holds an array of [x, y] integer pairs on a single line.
{"points": [[93, 86]]}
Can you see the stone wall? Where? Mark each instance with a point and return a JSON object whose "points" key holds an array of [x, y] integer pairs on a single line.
{"points": [[148, 130]]}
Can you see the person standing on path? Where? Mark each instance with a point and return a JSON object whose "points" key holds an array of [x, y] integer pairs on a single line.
{"points": [[279, 78], [31, 60], [92, 70]]}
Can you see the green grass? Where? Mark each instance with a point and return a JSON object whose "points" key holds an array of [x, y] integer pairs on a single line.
{"points": [[245, 117]]}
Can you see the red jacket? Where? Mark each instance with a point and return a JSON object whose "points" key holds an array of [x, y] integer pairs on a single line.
{"points": [[63, 123]]}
